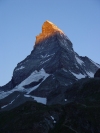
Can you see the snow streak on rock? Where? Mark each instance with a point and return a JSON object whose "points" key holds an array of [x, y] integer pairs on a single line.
{"points": [[79, 60], [20, 68], [7, 104], [78, 76], [35, 76], [90, 74], [38, 99]]}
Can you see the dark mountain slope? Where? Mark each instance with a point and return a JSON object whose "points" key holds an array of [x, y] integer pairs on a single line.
{"points": [[80, 113], [97, 74]]}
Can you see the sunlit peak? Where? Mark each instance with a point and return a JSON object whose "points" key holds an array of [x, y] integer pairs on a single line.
{"points": [[48, 29]]}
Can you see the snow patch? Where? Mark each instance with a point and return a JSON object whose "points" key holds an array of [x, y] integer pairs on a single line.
{"points": [[32, 89], [45, 56], [35, 76], [8, 104], [52, 117], [79, 60], [38, 99], [4, 106], [22, 67], [65, 100], [45, 75], [65, 70], [5, 94], [54, 121], [90, 74], [78, 76]]}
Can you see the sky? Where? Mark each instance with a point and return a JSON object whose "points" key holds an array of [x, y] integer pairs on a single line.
{"points": [[21, 22]]}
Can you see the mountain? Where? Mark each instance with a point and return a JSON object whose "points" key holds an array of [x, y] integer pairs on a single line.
{"points": [[53, 90], [53, 63]]}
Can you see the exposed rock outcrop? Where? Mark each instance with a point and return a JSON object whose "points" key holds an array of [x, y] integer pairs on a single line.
{"points": [[48, 29]]}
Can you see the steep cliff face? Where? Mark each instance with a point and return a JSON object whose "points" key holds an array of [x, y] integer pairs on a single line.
{"points": [[52, 63], [50, 51], [53, 51]]}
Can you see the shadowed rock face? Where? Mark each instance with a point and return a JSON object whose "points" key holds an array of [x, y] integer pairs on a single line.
{"points": [[50, 54], [70, 106], [97, 74]]}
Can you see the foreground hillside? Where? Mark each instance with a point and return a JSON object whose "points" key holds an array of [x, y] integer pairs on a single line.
{"points": [[80, 113]]}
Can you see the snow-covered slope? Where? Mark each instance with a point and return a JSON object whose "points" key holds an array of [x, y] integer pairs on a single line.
{"points": [[35, 76]]}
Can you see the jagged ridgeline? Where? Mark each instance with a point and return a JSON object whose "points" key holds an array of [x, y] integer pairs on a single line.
{"points": [[52, 89]]}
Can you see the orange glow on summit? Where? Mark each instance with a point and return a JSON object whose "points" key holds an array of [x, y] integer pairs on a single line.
{"points": [[48, 29]]}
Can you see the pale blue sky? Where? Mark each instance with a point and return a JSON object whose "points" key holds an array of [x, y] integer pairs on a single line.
{"points": [[21, 21]]}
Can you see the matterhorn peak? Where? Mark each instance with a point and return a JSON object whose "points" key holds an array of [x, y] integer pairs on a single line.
{"points": [[48, 29]]}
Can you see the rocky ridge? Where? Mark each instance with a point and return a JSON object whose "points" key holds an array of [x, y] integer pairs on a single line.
{"points": [[48, 29]]}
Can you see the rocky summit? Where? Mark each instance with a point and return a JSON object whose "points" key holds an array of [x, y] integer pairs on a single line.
{"points": [[48, 29], [54, 83]]}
